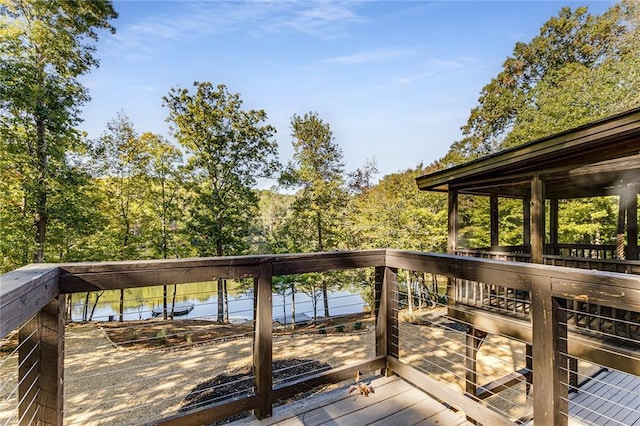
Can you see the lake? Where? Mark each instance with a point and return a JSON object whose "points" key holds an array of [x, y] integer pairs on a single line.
{"points": [[139, 303]]}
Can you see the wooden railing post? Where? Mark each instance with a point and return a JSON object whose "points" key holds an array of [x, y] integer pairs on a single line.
{"points": [[549, 333], [263, 343], [386, 310], [391, 285], [380, 311], [41, 366]]}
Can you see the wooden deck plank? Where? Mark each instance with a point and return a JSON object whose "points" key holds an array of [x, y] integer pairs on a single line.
{"points": [[427, 412], [352, 403], [610, 399], [394, 401], [380, 409]]}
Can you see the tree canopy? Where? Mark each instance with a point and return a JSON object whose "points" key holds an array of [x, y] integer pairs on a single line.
{"points": [[579, 68], [44, 47]]}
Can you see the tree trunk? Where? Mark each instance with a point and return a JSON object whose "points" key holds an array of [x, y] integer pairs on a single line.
{"points": [[293, 306], [325, 298], [93, 309], [121, 305], [226, 301], [85, 308], [220, 301], [173, 301], [42, 187], [164, 302]]}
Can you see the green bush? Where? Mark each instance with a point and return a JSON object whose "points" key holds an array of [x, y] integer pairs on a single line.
{"points": [[357, 326], [340, 328]]}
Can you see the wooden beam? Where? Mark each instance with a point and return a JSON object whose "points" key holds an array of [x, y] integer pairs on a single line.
{"points": [[330, 261], [452, 205], [503, 383], [483, 270], [554, 210], [24, 292], [209, 413], [526, 221], [380, 311], [263, 343], [549, 332], [620, 229], [444, 393], [393, 331], [41, 366], [473, 341], [632, 227], [537, 220], [494, 212], [335, 375]]}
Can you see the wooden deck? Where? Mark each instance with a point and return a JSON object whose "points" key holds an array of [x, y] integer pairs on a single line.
{"points": [[394, 402], [610, 399]]}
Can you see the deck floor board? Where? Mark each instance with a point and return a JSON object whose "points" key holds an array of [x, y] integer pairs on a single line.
{"points": [[394, 402]]}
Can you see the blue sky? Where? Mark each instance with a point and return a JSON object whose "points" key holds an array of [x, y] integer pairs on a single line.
{"points": [[394, 79]]}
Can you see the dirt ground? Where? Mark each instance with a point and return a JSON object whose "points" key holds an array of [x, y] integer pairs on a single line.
{"points": [[118, 375]]}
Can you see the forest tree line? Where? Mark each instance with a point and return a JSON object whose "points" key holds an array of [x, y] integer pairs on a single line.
{"points": [[133, 194]]}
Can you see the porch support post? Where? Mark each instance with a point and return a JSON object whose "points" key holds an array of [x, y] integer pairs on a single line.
{"points": [[41, 366], [632, 226], [452, 240], [495, 220], [526, 221], [623, 199], [549, 328], [263, 343], [553, 225], [537, 220]]}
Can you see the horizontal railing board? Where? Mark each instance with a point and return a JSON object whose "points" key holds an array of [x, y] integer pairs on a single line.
{"points": [[492, 322], [606, 353], [24, 292], [81, 277], [83, 282], [335, 375], [210, 413], [503, 383], [444, 393], [482, 270], [321, 262]]}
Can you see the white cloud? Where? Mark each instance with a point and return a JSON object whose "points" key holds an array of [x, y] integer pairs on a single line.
{"points": [[193, 20], [370, 56]]}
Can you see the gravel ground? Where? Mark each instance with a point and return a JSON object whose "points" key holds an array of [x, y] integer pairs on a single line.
{"points": [[110, 385], [107, 384]]}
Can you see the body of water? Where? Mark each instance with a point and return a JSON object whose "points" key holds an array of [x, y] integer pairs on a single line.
{"points": [[139, 304]]}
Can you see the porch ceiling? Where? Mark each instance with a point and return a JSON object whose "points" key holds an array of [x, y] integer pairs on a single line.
{"points": [[595, 159]]}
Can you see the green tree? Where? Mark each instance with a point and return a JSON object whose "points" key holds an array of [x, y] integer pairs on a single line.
{"points": [[121, 162], [228, 149], [44, 47], [395, 214], [318, 169], [579, 68], [271, 233], [166, 178]]}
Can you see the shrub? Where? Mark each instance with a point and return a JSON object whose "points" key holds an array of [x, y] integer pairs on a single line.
{"points": [[340, 328], [357, 326], [161, 336]]}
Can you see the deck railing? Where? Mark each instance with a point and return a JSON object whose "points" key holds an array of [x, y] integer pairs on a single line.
{"points": [[32, 300]]}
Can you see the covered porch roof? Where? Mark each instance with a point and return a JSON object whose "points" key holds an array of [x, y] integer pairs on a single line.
{"points": [[595, 159]]}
